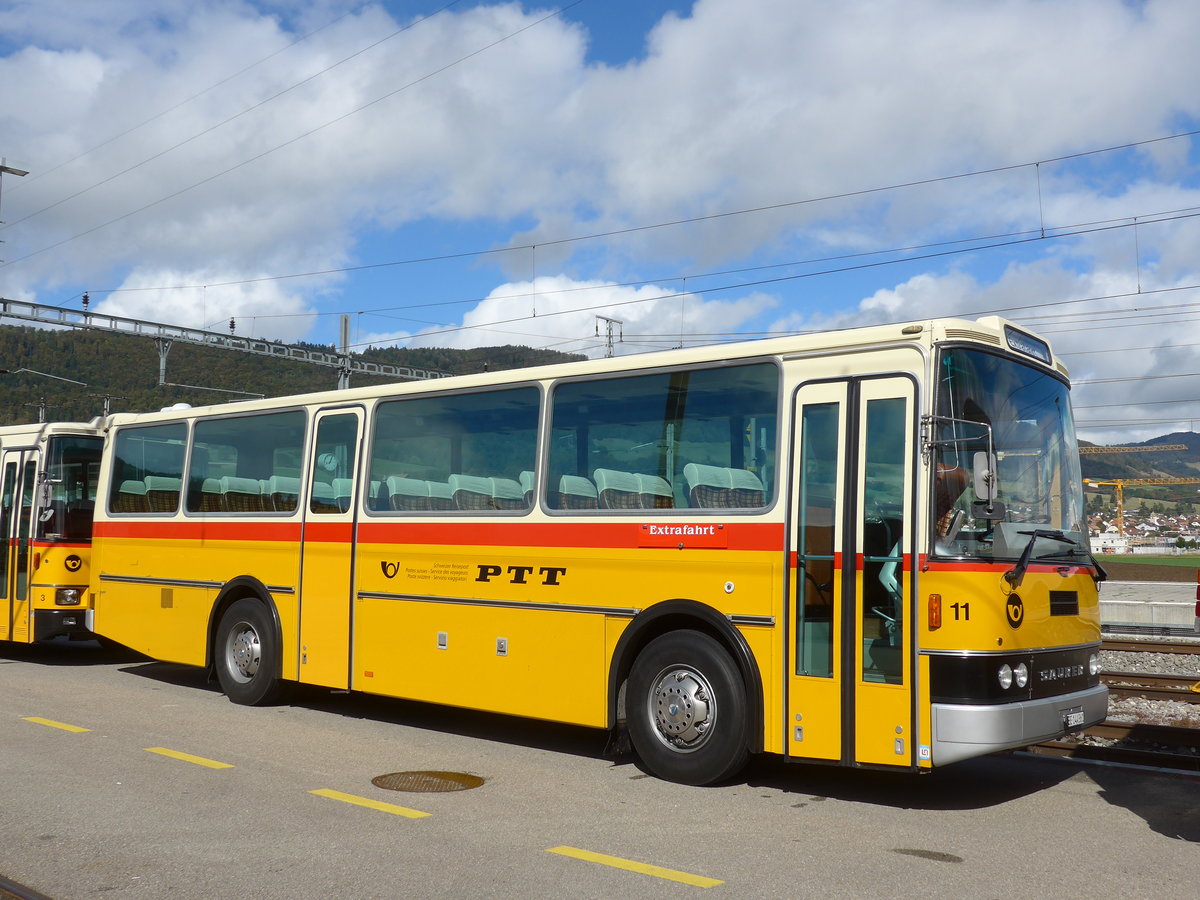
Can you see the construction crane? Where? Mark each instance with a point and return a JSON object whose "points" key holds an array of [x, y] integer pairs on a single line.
{"points": [[1154, 448], [1119, 484]]}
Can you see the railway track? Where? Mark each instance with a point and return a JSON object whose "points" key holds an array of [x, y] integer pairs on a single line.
{"points": [[1152, 687], [1139, 743], [1132, 743], [1187, 649]]}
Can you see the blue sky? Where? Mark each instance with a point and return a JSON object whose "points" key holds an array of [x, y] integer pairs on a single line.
{"points": [[475, 174]]}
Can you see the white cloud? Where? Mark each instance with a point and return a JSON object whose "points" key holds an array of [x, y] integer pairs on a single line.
{"points": [[558, 312], [261, 309]]}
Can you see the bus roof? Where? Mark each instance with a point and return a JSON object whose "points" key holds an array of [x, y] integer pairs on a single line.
{"points": [[991, 330]]}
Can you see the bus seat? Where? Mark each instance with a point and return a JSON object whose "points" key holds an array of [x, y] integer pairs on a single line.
{"points": [[471, 491], [440, 495], [377, 498], [632, 490], [283, 492], [527, 485], [323, 500], [131, 497], [241, 494], [162, 493], [405, 493], [210, 496], [343, 492], [417, 494], [717, 487], [655, 492], [577, 492], [747, 489], [617, 490], [408, 493], [478, 492], [508, 493]]}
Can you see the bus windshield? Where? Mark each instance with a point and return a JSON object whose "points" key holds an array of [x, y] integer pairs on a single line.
{"points": [[72, 473], [1024, 414]]}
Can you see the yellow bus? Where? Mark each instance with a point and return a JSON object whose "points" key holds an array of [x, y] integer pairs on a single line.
{"points": [[864, 547], [48, 478]]}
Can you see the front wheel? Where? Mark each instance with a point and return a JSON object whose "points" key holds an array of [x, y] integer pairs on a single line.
{"points": [[687, 709], [247, 655]]}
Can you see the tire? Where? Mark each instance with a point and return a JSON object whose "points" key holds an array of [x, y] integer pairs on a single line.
{"points": [[247, 655], [686, 709]]}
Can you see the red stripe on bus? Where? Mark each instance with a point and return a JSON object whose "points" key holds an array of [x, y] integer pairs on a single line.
{"points": [[329, 532], [249, 531], [928, 565], [739, 536], [736, 536]]}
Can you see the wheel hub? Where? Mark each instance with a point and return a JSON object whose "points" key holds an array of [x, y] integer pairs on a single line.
{"points": [[683, 709], [245, 652]]}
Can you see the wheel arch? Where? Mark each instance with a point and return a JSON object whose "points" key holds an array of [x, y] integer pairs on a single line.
{"points": [[240, 588], [683, 614]]}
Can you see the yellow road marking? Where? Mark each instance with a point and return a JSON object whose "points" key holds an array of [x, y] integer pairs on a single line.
{"points": [[372, 804], [38, 720], [629, 865], [187, 757]]}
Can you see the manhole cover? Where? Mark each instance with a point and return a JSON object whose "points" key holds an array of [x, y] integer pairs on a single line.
{"points": [[427, 782]]}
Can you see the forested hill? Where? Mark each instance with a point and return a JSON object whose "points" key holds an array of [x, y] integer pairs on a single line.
{"points": [[125, 369], [1153, 464]]}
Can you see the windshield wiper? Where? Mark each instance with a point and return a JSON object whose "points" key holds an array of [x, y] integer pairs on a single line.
{"points": [[1016, 574], [1101, 574]]}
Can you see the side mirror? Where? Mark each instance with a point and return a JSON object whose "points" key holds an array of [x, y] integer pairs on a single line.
{"points": [[983, 466]]}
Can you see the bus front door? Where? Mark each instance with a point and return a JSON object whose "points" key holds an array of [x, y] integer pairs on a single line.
{"points": [[327, 567], [17, 478], [850, 695]]}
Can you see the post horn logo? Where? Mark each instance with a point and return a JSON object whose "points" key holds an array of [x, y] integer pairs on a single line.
{"points": [[73, 563], [390, 569], [1014, 609]]}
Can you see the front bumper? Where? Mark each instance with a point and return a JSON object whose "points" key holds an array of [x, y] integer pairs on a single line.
{"points": [[962, 732]]}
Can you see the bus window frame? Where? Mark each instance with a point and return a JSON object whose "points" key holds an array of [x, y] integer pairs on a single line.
{"points": [[370, 434], [192, 421], [542, 487], [108, 490]]}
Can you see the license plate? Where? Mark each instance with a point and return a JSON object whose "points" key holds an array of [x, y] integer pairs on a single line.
{"points": [[1073, 718]]}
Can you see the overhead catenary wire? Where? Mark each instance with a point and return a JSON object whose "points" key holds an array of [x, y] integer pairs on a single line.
{"points": [[1024, 237]]}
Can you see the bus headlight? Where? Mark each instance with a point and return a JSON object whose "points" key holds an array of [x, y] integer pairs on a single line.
{"points": [[1094, 664], [1006, 676], [66, 597], [1021, 673]]}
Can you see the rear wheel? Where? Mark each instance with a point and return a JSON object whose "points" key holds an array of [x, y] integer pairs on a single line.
{"points": [[686, 708], [247, 655]]}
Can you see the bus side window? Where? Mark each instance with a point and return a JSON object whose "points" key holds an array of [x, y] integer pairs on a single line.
{"points": [[471, 452], [332, 477], [144, 457], [701, 439]]}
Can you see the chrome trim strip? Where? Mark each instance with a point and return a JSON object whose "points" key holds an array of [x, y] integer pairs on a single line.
{"points": [[963, 654], [618, 611], [751, 620], [183, 582]]}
